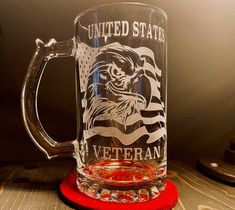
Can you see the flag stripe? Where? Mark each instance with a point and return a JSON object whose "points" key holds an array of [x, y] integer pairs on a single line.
{"points": [[145, 121], [130, 128], [152, 113], [154, 107], [125, 139]]}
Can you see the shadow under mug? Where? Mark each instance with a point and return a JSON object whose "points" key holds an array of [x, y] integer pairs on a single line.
{"points": [[120, 53]]}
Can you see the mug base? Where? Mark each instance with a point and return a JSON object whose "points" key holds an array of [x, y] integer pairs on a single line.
{"points": [[70, 193], [121, 181], [121, 191]]}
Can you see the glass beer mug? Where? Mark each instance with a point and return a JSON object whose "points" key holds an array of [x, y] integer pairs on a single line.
{"points": [[120, 53]]}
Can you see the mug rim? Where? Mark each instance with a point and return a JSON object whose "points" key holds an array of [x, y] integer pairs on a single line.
{"points": [[118, 3]]}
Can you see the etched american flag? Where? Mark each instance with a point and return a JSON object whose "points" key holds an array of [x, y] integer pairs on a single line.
{"points": [[121, 93]]}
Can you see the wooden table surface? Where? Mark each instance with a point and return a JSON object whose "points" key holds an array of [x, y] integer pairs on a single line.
{"points": [[33, 185]]}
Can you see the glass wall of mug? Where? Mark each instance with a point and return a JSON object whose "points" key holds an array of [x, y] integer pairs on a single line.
{"points": [[121, 77]]}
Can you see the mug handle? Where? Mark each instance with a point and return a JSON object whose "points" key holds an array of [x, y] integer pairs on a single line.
{"points": [[44, 52]]}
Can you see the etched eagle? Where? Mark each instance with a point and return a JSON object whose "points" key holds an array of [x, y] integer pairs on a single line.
{"points": [[120, 83]]}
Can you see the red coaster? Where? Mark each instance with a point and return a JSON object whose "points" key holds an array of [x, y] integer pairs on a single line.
{"points": [[71, 195]]}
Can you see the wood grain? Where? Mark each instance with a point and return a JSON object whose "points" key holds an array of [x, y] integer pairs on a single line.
{"points": [[33, 185], [197, 192]]}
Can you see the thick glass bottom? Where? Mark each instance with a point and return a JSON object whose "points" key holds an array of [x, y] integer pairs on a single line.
{"points": [[121, 181]]}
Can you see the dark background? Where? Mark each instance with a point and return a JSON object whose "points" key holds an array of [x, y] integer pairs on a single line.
{"points": [[201, 69]]}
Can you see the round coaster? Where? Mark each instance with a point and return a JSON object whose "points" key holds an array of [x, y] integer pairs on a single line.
{"points": [[70, 194]]}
